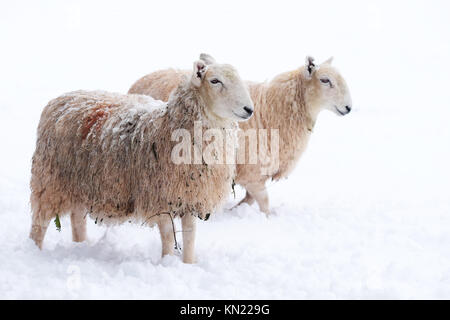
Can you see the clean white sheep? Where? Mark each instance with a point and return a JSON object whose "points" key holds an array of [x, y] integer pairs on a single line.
{"points": [[290, 103], [109, 155]]}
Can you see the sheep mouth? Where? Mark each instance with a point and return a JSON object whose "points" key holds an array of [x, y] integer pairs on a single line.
{"points": [[246, 117], [340, 112]]}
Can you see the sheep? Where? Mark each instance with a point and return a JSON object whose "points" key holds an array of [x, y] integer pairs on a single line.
{"points": [[111, 156], [290, 103]]}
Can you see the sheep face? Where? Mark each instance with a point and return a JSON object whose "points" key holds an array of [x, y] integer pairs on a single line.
{"points": [[223, 90], [330, 89]]}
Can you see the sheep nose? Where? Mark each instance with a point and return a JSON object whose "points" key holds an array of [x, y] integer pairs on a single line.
{"points": [[248, 110], [348, 108]]}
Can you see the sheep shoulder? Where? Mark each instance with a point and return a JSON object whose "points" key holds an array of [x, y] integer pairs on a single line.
{"points": [[279, 105]]}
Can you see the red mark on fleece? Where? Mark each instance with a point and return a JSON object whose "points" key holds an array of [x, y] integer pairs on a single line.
{"points": [[96, 117]]}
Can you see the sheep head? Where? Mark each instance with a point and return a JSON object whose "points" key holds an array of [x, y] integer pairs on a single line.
{"points": [[326, 88], [222, 89]]}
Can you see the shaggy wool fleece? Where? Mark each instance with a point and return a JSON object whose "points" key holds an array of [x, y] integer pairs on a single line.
{"points": [[111, 154]]}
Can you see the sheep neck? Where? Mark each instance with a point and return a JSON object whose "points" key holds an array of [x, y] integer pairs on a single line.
{"points": [[284, 98], [188, 105]]}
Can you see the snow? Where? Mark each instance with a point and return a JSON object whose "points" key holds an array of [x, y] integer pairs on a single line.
{"points": [[364, 215]]}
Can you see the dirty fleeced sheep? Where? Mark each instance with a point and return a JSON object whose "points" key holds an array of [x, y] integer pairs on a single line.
{"points": [[110, 156], [290, 103]]}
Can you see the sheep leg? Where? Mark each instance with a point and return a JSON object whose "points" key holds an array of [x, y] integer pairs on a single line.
{"points": [[188, 224], [78, 222], [248, 199], [259, 193], [39, 225], [167, 234]]}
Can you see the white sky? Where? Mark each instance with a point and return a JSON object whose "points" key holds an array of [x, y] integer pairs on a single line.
{"points": [[386, 49]]}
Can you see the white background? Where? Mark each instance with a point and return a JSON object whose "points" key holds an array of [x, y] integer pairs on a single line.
{"points": [[364, 215]]}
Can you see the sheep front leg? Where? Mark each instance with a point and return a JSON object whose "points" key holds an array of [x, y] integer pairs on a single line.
{"points": [[167, 235], [188, 223], [78, 222], [39, 225], [248, 199], [259, 193]]}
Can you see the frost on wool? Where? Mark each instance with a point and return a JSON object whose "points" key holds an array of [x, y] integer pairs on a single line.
{"points": [[126, 142]]}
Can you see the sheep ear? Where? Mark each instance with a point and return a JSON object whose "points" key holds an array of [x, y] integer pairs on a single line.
{"points": [[198, 75], [310, 67], [207, 58], [329, 61]]}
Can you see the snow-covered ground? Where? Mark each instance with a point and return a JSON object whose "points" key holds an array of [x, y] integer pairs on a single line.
{"points": [[366, 214]]}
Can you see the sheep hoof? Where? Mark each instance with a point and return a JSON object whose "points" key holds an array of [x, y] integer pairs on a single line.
{"points": [[189, 260]]}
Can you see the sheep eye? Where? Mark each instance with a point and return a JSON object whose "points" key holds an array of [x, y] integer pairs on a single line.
{"points": [[215, 81], [326, 81]]}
